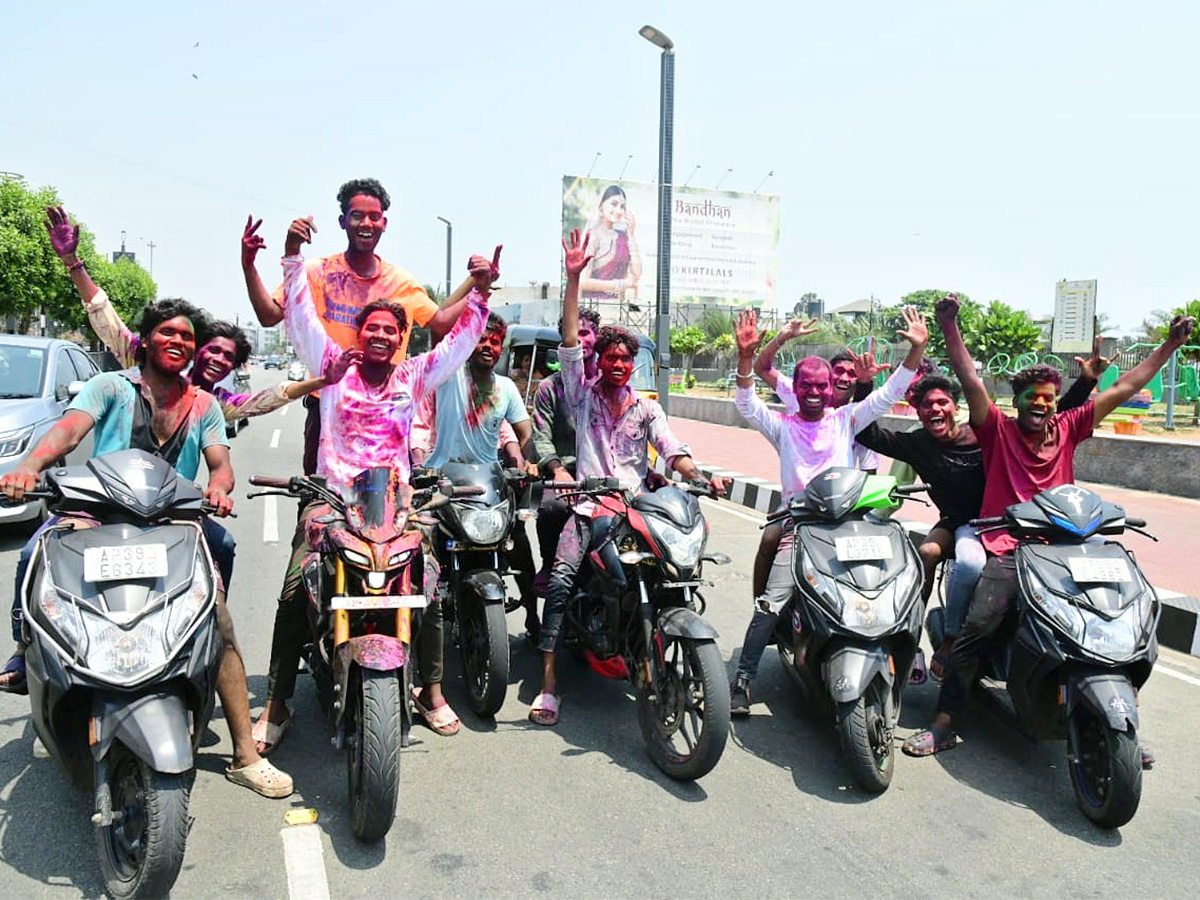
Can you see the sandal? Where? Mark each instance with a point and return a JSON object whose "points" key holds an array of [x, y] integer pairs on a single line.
{"points": [[937, 666], [270, 734], [544, 710], [441, 719], [16, 667], [262, 778], [929, 742]]}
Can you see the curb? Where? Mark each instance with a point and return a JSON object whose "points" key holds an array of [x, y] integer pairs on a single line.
{"points": [[1179, 627]]}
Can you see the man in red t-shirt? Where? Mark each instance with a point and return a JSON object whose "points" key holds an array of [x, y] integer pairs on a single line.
{"points": [[1021, 458]]}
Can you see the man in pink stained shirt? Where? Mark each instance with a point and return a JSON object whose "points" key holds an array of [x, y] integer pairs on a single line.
{"points": [[366, 420]]}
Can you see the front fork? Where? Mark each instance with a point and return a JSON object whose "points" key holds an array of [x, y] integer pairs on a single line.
{"points": [[652, 663]]}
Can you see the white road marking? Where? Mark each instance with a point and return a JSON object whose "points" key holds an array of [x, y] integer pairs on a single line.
{"points": [[271, 521], [304, 860], [757, 520], [283, 409], [1182, 677], [275, 438]]}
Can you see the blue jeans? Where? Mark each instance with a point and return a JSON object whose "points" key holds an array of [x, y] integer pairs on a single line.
{"points": [[220, 543], [969, 559]]}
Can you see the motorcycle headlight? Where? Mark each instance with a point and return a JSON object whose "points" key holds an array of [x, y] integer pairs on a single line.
{"points": [[185, 609], [484, 526], [1058, 610], [859, 611], [683, 547], [61, 615], [1116, 639], [398, 559], [356, 558], [820, 584], [125, 654]]}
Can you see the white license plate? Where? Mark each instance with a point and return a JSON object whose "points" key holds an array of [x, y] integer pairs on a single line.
{"points": [[1088, 568], [390, 601], [124, 561], [867, 547]]}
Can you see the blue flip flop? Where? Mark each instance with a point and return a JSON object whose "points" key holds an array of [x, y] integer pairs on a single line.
{"points": [[16, 663]]}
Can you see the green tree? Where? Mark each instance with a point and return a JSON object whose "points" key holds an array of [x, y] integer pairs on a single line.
{"points": [[924, 301], [716, 322], [688, 342], [1001, 329], [723, 346], [1156, 328]]}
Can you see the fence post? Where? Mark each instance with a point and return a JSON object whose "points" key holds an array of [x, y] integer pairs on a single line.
{"points": [[1172, 378]]}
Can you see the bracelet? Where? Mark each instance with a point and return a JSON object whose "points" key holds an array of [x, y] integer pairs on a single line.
{"points": [[75, 268]]}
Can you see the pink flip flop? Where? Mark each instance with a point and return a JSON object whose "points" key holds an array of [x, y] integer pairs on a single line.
{"points": [[441, 719], [544, 710]]}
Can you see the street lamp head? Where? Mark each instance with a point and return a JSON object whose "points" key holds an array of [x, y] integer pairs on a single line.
{"points": [[656, 37], [443, 220]]}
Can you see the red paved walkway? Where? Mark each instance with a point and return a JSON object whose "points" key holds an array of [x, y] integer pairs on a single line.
{"points": [[1173, 563]]}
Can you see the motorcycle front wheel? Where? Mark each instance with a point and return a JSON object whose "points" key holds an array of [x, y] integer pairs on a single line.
{"points": [[1106, 769], [483, 641], [686, 724], [142, 850], [373, 760], [866, 737]]}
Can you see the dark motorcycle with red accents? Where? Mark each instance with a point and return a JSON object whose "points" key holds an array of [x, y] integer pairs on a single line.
{"points": [[636, 615], [360, 585]]}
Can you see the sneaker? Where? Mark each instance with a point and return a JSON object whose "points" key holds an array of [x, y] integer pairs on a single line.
{"points": [[739, 697]]}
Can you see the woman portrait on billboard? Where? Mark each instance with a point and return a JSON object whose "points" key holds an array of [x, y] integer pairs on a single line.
{"points": [[616, 264]]}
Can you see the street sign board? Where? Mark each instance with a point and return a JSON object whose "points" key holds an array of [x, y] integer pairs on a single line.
{"points": [[1074, 316]]}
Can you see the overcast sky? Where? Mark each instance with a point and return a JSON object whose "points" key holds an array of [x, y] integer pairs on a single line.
{"points": [[987, 147]]}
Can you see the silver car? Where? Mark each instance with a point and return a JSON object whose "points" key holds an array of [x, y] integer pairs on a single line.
{"points": [[38, 378]]}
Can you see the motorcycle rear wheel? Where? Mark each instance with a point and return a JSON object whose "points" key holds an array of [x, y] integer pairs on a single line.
{"points": [[483, 642], [1106, 770], [373, 757], [865, 736], [140, 856], [686, 725]]}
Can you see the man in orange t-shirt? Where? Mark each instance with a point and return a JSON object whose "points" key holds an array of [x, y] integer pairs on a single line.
{"points": [[344, 283]]}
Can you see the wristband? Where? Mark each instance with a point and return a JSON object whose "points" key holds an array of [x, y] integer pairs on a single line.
{"points": [[76, 267]]}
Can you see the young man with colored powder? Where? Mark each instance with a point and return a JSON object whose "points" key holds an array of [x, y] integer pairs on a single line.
{"points": [[615, 426], [809, 441], [366, 420], [342, 284], [154, 408], [1022, 457]]}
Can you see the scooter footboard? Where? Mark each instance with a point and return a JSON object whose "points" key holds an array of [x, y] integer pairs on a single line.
{"points": [[1109, 694], [154, 727], [850, 670]]}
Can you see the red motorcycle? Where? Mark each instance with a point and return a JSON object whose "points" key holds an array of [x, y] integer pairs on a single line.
{"points": [[359, 582], [636, 615]]}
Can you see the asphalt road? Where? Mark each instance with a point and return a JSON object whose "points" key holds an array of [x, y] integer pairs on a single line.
{"points": [[510, 809]]}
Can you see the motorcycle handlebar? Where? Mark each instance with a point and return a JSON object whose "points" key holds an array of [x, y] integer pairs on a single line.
{"points": [[906, 490], [1135, 523], [989, 521], [270, 481]]}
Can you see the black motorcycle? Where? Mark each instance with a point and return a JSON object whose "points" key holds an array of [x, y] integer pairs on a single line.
{"points": [[1084, 641], [123, 655], [471, 548]]}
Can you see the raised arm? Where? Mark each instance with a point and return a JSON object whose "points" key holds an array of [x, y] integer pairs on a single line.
{"points": [[1090, 371], [443, 320], [434, 367], [978, 401], [764, 363], [265, 307], [1139, 376], [576, 259], [304, 329]]}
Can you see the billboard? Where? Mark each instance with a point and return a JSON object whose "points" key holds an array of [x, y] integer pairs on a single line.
{"points": [[1074, 317], [724, 244]]}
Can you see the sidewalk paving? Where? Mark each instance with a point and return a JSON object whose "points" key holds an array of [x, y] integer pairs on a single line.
{"points": [[1172, 564]]}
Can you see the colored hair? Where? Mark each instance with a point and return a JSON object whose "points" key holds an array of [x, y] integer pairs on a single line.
{"points": [[374, 306], [366, 186], [1037, 374], [916, 394], [241, 343], [157, 313], [495, 323], [615, 334], [810, 362]]}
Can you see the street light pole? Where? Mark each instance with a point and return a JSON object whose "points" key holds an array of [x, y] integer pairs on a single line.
{"points": [[449, 237], [666, 136]]}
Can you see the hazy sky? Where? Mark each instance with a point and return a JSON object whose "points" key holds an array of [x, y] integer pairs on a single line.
{"points": [[988, 147]]}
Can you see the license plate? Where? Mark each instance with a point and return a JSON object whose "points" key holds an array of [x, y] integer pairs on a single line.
{"points": [[124, 561], [1090, 568], [390, 601], [867, 547]]}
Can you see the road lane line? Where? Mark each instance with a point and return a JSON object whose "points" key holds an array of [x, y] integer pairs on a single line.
{"points": [[271, 521], [283, 409], [757, 520], [304, 859], [275, 438], [1182, 677]]}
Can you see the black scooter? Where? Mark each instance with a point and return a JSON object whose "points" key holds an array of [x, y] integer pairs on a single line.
{"points": [[124, 648], [1084, 641]]}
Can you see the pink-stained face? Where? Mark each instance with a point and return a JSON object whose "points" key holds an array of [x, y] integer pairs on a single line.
{"points": [[364, 222], [612, 210], [379, 337], [843, 382], [488, 350], [616, 365], [813, 383], [215, 360], [171, 345]]}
